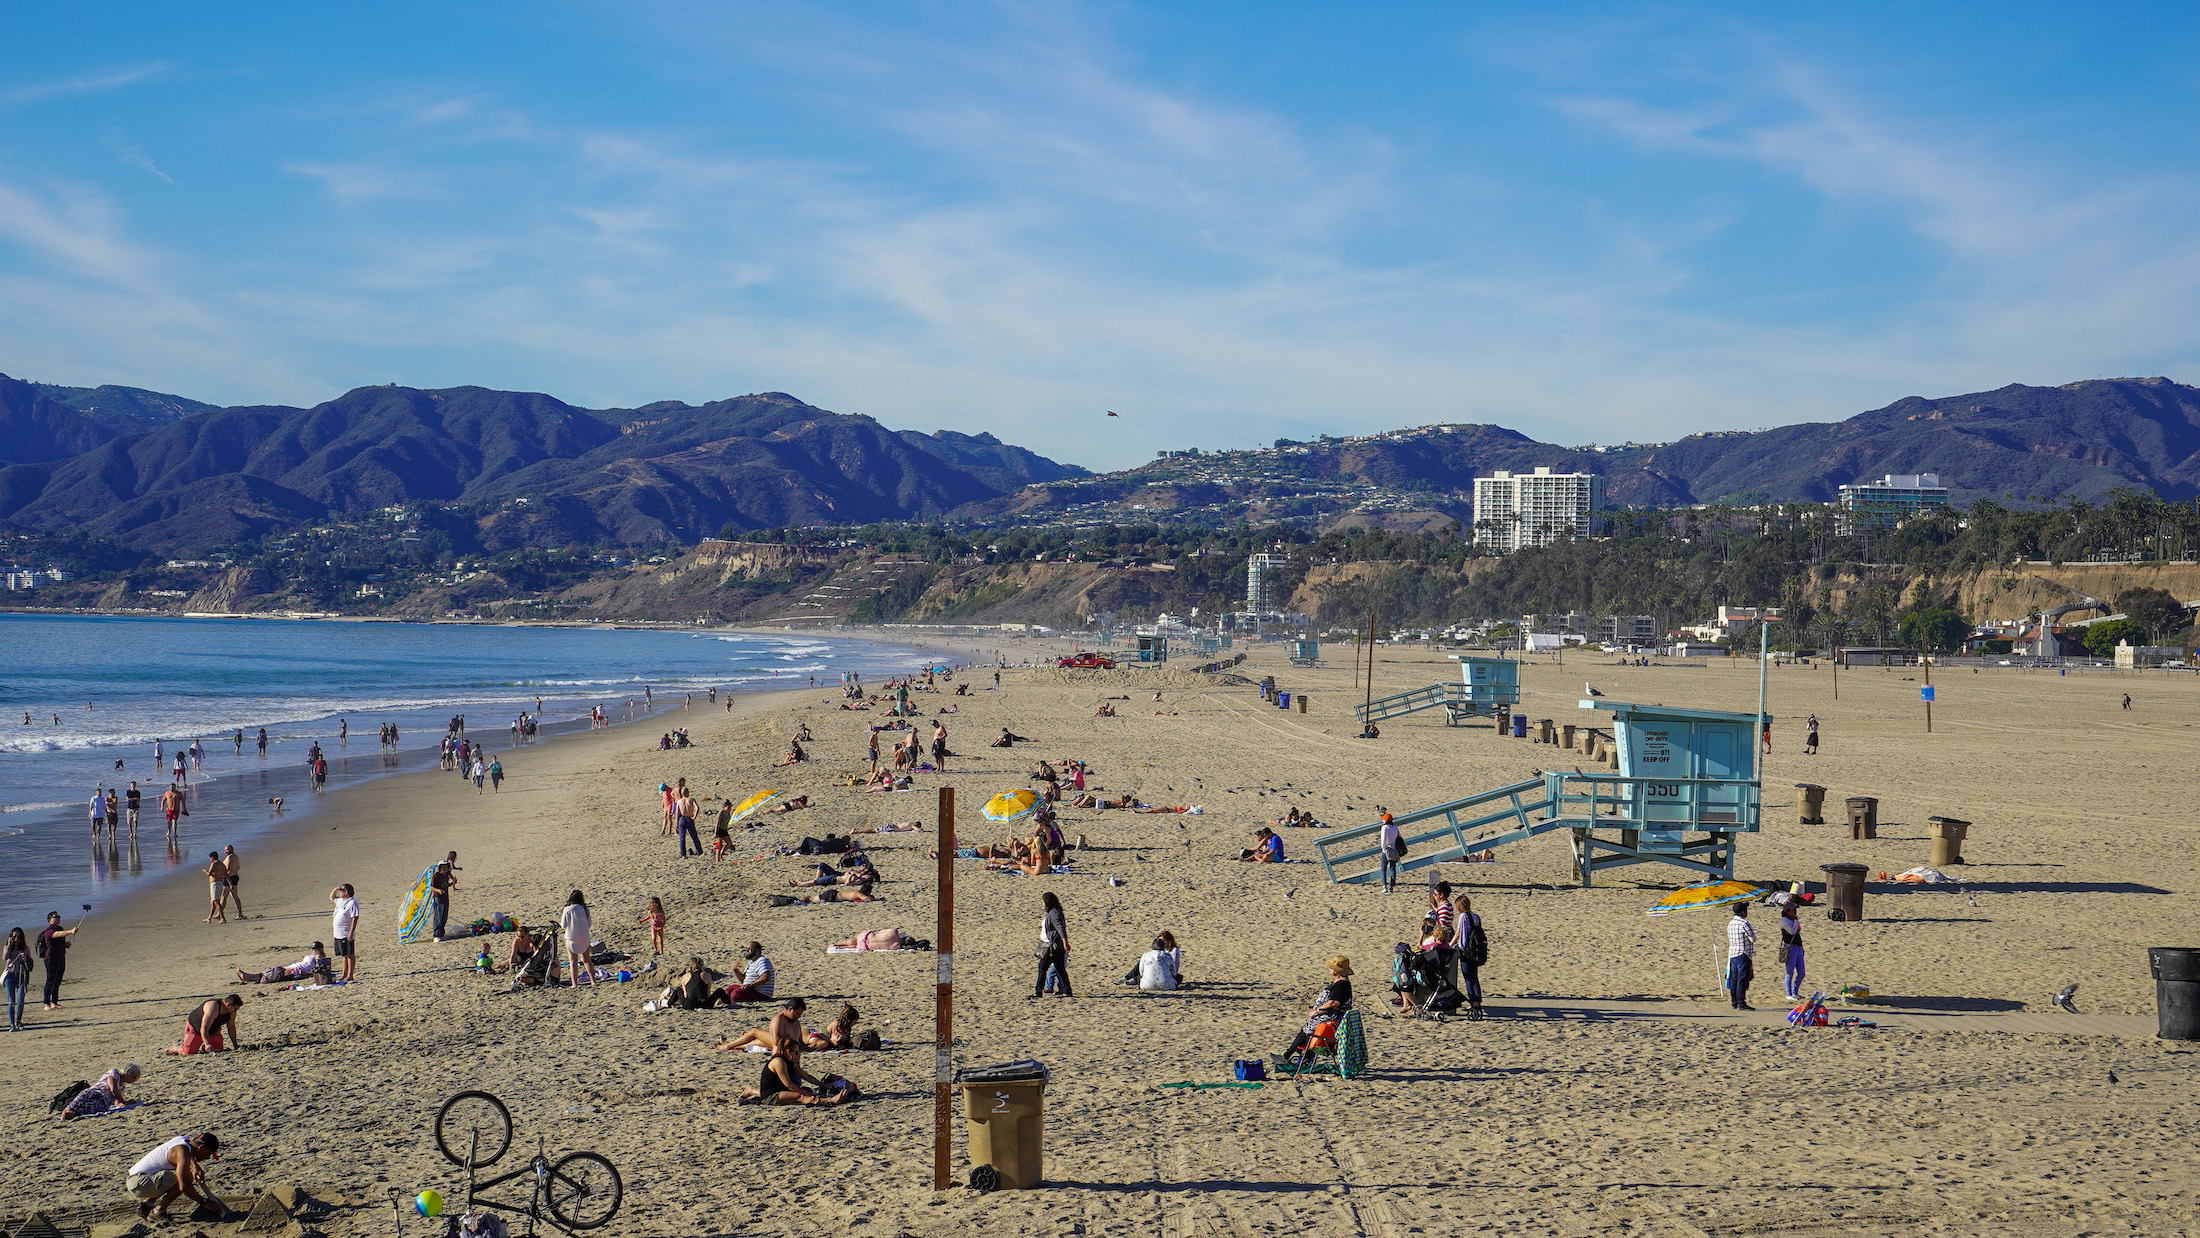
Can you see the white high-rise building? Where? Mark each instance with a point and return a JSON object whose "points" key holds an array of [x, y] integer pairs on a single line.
{"points": [[1517, 510], [1260, 589]]}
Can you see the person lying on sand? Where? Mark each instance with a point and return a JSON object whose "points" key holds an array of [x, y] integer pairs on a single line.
{"points": [[316, 960], [838, 1034], [785, 1026], [1124, 800], [897, 827], [888, 782], [862, 873], [793, 803], [881, 940], [1151, 808], [861, 894]]}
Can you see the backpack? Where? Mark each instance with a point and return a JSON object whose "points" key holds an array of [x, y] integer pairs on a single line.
{"points": [[67, 1094], [1475, 951], [868, 1038]]}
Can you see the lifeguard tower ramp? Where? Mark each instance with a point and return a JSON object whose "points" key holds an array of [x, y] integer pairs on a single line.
{"points": [[1485, 684], [1687, 786]]}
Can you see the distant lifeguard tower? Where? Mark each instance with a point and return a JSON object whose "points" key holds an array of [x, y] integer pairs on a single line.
{"points": [[1153, 649], [1484, 684], [1687, 786], [1306, 653]]}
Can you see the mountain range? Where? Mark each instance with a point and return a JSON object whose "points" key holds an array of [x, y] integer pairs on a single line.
{"points": [[173, 475]]}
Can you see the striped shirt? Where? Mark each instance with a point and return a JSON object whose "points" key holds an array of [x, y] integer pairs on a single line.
{"points": [[1443, 915]]}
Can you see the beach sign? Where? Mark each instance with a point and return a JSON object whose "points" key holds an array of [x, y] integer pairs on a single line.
{"points": [[414, 920]]}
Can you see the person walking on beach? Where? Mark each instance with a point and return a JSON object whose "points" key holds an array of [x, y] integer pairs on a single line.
{"points": [[15, 970], [236, 868], [1053, 949], [496, 776], [171, 804], [1791, 950], [1741, 956], [346, 921], [573, 926], [263, 741], [1810, 735], [114, 812], [176, 773], [133, 801], [98, 810], [53, 948], [481, 774], [1393, 847], [440, 884], [654, 920], [238, 740], [217, 887]]}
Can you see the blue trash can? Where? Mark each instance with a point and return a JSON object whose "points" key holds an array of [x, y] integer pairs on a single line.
{"points": [[1283, 700], [1520, 726]]}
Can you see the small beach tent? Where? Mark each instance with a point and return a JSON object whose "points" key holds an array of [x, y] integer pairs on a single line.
{"points": [[413, 921]]}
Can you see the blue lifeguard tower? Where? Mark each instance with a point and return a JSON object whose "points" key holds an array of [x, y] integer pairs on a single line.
{"points": [[1484, 684], [1153, 649], [1306, 653], [1687, 786]]}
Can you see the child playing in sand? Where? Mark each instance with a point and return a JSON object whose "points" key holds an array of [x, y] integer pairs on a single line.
{"points": [[655, 919]]}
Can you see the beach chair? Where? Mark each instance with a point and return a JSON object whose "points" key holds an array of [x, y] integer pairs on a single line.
{"points": [[1342, 1052]]}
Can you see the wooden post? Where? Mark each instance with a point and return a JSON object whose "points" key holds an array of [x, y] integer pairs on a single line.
{"points": [[1370, 705], [943, 1026], [1926, 638]]}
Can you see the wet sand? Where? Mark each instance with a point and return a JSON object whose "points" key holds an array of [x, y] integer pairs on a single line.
{"points": [[1612, 1092]]}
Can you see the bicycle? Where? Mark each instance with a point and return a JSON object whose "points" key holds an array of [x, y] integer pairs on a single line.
{"points": [[579, 1191]]}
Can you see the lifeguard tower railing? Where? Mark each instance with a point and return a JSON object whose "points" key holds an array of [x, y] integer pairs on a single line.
{"points": [[1614, 821]]}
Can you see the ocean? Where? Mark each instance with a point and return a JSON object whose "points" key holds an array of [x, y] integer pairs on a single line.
{"points": [[83, 699]]}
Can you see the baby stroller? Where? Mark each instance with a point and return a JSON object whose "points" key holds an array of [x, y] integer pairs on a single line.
{"points": [[1423, 981]]}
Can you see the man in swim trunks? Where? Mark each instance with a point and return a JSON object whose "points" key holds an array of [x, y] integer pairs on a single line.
{"points": [[236, 868], [217, 887], [202, 1032], [171, 803]]}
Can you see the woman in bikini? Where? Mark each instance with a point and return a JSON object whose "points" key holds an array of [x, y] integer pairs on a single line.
{"points": [[838, 1034], [873, 939]]}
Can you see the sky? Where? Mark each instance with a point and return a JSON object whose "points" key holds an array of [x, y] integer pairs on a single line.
{"points": [[1228, 222]]}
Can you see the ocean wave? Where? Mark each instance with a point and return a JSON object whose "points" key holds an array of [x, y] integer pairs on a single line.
{"points": [[11, 833], [37, 807]]}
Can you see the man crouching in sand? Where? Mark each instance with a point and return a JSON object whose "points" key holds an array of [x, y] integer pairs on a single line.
{"points": [[174, 1169]]}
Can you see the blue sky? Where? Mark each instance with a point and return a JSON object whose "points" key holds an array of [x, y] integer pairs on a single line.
{"points": [[1229, 222]]}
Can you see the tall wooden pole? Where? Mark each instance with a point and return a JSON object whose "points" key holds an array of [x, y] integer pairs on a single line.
{"points": [[943, 1016], [1370, 705], [1926, 637]]}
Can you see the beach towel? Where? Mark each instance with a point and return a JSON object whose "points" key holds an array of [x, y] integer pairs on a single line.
{"points": [[1924, 876]]}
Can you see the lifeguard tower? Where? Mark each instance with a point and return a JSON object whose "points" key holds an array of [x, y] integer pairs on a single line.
{"points": [[1153, 649], [1484, 684], [1687, 786], [1306, 653]]}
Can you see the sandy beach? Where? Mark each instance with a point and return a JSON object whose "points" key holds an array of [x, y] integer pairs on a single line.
{"points": [[1612, 1092]]}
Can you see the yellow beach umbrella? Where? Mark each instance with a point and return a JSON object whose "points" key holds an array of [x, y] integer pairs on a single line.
{"points": [[1012, 805], [742, 810], [1710, 894]]}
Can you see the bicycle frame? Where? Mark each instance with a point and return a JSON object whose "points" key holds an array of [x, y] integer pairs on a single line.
{"points": [[538, 1166]]}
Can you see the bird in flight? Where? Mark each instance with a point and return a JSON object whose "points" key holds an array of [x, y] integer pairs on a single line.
{"points": [[2062, 999], [1112, 413]]}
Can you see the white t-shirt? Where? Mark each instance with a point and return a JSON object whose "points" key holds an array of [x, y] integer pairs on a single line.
{"points": [[347, 916], [574, 920], [157, 1159], [1157, 971]]}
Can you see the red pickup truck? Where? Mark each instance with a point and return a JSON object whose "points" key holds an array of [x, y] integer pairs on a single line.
{"points": [[1086, 661]]}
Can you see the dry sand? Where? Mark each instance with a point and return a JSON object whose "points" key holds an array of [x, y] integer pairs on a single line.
{"points": [[1614, 1093]]}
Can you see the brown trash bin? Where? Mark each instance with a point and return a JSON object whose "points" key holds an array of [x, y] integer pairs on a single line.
{"points": [[1947, 834], [1863, 816], [1845, 889], [1503, 715], [1004, 1115], [1546, 731], [1299, 699], [1814, 803], [1566, 735]]}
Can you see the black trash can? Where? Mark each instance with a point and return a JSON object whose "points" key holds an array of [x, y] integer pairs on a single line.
{"points": [[1845, 889], [2176, 991]]}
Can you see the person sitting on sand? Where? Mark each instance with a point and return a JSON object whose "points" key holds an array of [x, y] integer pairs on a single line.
{"points": [[1046, 772], [202, 1031], [315, 961], [523, 949], [785, 1027], [795, 755], [175, 1169], [103, 1095], [1164, 942], [691, 989], [1291, 818], [781, 1081], [1105, 711], [838, 1034], [1010, 739], [1267, 848], [802, 734]]}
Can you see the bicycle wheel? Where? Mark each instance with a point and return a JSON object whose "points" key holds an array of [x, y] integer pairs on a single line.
{"points": [[467, 1115], [584, 1190]]}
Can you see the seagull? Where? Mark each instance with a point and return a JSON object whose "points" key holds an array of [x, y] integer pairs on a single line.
{"points": [[1111, 412], [2112, 1077], [1972, 898], [2062, 999], [1591, 689]]}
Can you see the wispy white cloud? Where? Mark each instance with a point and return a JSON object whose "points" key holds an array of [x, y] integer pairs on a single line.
{"points": [[38, 92]]}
